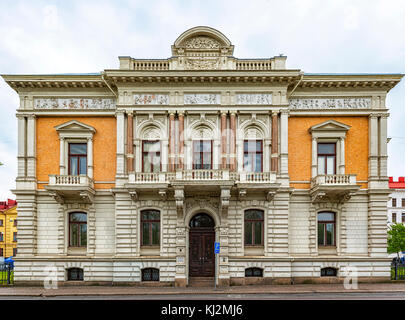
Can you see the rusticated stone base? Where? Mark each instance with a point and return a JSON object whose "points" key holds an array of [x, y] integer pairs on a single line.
{"points": [[224, 282], [180, 282], [96, 283]]}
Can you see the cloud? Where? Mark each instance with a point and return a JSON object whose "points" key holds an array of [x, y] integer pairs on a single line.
{"points": [[51, 36]]}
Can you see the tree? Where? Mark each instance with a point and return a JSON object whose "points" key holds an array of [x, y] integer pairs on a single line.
{"points": [[396, 238]]}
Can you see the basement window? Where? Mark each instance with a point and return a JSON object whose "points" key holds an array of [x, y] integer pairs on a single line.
{"points": [[75, 274], [254, 272], [329, 272]]}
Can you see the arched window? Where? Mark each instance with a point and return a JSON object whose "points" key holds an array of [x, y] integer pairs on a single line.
{"points": [[75, 274], [329, 272], [326, 229], [150, 274], [151, 160], [202, 220], [254, 272], [150, 227], [77, 229], [253, 155], [254, 226]]}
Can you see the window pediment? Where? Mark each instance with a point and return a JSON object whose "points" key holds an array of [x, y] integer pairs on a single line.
{"points": [[74, 125], [330, 125]]}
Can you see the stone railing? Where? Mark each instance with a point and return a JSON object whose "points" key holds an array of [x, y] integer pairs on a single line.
{"points": [[253, 65], [70, 180], [334, 179], [150, 65], [269, 177], [202, 175]]}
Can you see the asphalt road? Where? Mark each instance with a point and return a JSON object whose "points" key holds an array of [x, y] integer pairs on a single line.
{"points": [[222, 297]]}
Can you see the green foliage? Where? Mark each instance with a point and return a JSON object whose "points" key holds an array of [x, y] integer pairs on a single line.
{"points": [[396, 238]]}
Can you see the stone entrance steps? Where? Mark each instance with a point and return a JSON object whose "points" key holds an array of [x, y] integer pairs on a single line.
{"points": [[201, 282]]}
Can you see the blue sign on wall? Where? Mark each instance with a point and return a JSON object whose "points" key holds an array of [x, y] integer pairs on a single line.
{"points": [[217, 247]]}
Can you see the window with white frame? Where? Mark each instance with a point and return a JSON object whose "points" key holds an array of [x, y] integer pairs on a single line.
{"points": [[328, 148]]}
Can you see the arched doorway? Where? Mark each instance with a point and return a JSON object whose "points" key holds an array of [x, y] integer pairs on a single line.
{"points": [[201, 252]]}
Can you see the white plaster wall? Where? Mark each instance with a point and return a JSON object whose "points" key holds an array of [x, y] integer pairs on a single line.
{"points": [[47, 224], [357, 226]]}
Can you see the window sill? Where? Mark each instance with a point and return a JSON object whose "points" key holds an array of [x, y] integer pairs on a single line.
{"points": [[327, 250], [254, 250], [77, 251], [150, 251]]}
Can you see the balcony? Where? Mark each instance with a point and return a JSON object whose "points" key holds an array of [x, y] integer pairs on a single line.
{"points": [[333, 187], [66, 188], [202, 180]]}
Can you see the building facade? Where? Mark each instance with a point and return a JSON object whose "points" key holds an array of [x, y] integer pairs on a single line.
{"points": [[130, 175], [396, 203], [8, 228]]}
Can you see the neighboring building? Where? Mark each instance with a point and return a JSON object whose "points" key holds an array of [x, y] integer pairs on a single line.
{"points": [[396, 203], [8, 228], [131, 174]]}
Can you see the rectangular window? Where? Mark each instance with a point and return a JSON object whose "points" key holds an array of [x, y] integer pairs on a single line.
{"points": [[326, 158], [254, 222], [77, 158], [403, 217], [14, 252], [150, 227], [1, 223], [202, 154], [1, 252], [394, 202], [15, 222], [403, 203], [326, 229], [77, 229], [1, 237], [394, 217], [15, 236], [151, 156], [253, 155]]}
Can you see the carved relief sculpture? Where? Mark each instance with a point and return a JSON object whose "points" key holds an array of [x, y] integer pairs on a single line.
{"points": [[201, 98], [254, 98], [74, 103], [151, 99], [331, 103]]}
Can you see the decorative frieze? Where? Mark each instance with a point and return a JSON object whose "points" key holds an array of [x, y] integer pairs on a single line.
{"points": [[330, 103], [146, 98], [74, 103], [254, 98], [201, 98], [202, 42]]}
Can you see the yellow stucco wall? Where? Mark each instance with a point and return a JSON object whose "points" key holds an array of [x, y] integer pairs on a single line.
{"points": [[104, 148], [299, 148], [8, 216]]}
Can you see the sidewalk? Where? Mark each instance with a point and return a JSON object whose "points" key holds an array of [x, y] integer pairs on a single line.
{"points": [[138, 290]]}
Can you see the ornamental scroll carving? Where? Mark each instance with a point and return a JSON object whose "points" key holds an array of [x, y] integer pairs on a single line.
{"points": [[202, 63], [331, 103], [75, 103], [202, 42], [201, 98], [151, 99], [253, 98]]}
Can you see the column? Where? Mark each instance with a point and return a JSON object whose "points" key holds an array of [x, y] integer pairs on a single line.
{"points": [[90, 158], [232, 141], [274, 142], [342, 166], [31, 147], [22, 130], [181, 140], [130, 143], [314, 165], [171, 142], [223, 140], [284, 142], [373, 153], [120, 115], [383, 145], [62, 168]]}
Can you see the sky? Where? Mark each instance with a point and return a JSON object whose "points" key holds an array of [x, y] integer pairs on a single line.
{"points": [[82, 36]]}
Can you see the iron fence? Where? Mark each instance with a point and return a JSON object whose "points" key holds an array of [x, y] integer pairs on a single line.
{"points": [[397, 271], [6, 274]]}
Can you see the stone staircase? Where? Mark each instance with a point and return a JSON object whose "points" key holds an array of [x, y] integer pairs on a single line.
{"points": [[201, 282]]}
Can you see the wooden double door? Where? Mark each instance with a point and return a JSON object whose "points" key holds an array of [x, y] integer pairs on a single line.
{"points": [[201, 244]]}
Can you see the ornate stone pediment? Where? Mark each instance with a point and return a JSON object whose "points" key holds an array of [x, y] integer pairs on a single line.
{"points": [[202, 48]]}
